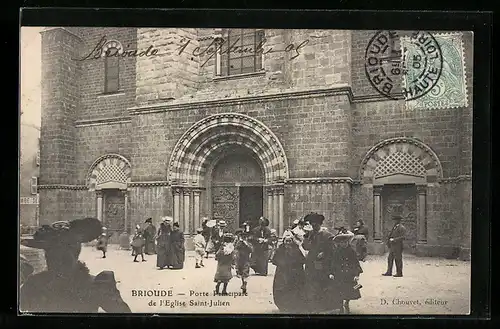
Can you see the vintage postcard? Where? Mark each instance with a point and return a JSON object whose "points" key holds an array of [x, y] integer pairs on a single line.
{"points": [[245, 171]]}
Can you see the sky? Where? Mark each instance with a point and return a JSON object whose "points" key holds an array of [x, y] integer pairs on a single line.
{"points": [[30, 74]]}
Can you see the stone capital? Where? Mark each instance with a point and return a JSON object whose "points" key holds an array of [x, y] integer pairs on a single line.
{"points": [[377, 189], [422, 189]]}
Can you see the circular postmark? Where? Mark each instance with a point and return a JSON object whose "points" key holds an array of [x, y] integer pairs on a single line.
{"points": [[408, 66]]}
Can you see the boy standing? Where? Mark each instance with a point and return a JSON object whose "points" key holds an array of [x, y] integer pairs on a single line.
{"points": [[199, 248]]}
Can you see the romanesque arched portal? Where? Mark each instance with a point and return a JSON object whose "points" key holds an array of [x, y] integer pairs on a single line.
{"points": [[400, 170], [206, 141], [108, 177]]}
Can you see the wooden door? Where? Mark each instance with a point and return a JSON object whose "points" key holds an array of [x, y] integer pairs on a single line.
{"points": [[401, 200], [225, 205], [114, 216]]}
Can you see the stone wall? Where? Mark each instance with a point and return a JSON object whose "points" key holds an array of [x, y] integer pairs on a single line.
{"points": [[305, 101]]}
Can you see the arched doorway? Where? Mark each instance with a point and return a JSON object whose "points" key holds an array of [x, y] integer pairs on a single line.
{"points": [[399, 172], [210, 144], [235, 189], [109, 177]]}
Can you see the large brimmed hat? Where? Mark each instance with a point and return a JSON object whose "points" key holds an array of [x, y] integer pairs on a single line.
{"points": [[65, 232], [222, 223], [314, 218], [343, 237]]}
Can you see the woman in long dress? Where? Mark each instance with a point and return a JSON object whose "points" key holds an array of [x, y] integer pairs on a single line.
{"points": [[177, 249], [163, 245], [289, 279], [260, 241]]}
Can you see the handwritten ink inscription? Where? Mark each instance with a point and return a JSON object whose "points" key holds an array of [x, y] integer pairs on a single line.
{"points": [[110, 48], [220, 46]]}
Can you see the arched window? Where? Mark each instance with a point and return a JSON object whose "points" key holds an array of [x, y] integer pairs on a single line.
{"points": [[111, 71]]}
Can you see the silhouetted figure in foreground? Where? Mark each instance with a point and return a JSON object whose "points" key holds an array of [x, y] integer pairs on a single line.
{"points": [[66, 286]]}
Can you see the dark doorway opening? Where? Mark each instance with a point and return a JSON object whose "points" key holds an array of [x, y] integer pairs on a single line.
{"points": [[251, 204]]}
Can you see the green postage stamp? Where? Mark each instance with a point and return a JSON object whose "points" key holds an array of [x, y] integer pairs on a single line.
{"points": [[450, 91]]}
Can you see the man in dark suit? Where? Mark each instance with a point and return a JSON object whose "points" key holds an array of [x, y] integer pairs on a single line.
{"points": [[395, 244]]}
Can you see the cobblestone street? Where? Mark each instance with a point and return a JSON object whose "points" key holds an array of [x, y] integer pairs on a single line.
{"points": [[430, 286]]}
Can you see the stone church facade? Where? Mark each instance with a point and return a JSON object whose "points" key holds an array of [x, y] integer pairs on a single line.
{"points": [[188, 131]]}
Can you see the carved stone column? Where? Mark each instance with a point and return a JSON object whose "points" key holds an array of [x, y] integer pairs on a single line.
{"points": [[99, 205], [421, 216], [276, 210], [281, 208], [124, 238], [187, 212], [377, 213], [196, 210], [126, 219], [177, 203], [270, 204]]}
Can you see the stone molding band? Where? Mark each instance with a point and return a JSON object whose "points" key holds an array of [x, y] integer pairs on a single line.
{"points": [[62, 187], [148, 184], [456, 179], [298, 94], [325, 180], [264, 97], [328, 180], [102, 121]]}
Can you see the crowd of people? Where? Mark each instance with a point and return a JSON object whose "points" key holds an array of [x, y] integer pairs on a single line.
{"points": [[317, 271]]}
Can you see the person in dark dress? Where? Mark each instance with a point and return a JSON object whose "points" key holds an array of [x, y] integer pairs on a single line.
{"points": [[149, 237], [289, 279], [361, 239], [395, 244], [225, 257], [243, 250], [177, 249], [260, 239], [344, 270], [163, 243], [317, 243], [67, 286]]}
